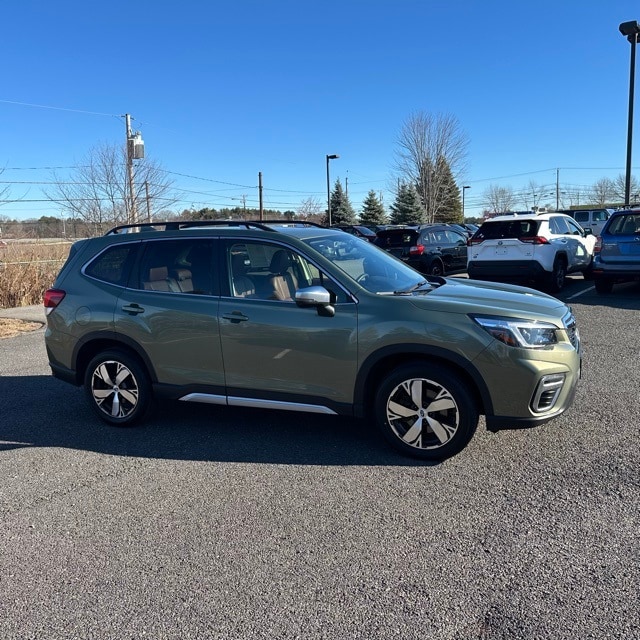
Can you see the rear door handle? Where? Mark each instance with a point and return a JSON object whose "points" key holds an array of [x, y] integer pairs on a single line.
{"points": [[133, 309], [235, 316]]}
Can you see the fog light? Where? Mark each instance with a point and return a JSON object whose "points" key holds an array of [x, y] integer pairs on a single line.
{"points": [[547, 392]]}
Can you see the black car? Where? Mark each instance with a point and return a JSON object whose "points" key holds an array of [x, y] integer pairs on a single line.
{"points": [[357, 230], [431, 249]]}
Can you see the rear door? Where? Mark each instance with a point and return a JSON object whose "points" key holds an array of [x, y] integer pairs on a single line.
{"points": [[174, 320]]}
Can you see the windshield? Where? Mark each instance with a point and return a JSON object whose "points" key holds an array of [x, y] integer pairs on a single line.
{"points": [[372, 268]]}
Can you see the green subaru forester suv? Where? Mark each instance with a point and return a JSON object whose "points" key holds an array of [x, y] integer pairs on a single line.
{"points": [[299, 317]]}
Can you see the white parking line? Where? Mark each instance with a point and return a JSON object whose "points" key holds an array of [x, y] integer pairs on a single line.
{"points": [[576, 295]]}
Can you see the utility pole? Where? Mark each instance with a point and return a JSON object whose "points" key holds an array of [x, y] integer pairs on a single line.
{"points": [[260, 195], [135, 151], [132, 209]]}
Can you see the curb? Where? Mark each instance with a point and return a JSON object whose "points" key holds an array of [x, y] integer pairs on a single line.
{"points": [[31, 313]]}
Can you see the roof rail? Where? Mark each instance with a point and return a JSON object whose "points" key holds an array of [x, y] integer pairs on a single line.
{"points": [[177, 225]]}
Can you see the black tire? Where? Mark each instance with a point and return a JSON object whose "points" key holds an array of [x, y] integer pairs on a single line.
{"points": [[406, 414], [118, 388], [435, 269], [587, 273], [555, 280], [603, 285]]}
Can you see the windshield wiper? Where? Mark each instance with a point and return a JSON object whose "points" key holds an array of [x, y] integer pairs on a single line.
{"points": [[412, 288]]}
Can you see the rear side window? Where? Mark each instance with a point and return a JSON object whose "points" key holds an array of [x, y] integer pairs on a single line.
{"points": [[113, 265], [178, 266], [582, 216], [508, 229]]}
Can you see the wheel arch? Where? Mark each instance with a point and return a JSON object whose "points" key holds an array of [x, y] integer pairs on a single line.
{"points": [[378, 364], [94, 343]]}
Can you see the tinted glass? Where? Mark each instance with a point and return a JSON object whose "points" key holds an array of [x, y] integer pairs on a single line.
{"points": [[397, 238], [508, 229], [624, 225], [178, 266], [582, 216], [112, 265]]}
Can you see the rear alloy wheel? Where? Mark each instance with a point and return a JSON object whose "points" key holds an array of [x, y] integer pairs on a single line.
{"points": [[603, 285], [558, 275], [118, 388], [425, 411], [435, 269]]}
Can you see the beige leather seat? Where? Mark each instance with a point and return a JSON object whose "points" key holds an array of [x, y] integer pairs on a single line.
{"points": [[159, 280], [242, 285], [282, 281], [183, 280]]}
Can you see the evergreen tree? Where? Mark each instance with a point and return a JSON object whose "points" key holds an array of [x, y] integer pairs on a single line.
{"points": [[406, 208], [372, 210], [450, 205], [342, 211]]}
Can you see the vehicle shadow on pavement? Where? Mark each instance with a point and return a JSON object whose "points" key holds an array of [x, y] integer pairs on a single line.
{"points": [[625, 295], [40, 411]]}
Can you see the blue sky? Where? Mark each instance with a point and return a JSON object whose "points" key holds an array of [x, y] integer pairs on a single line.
{"points": [[224, 90]]}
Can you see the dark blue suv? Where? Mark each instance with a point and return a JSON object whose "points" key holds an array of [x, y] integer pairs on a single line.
{"points": [[617, 251]]}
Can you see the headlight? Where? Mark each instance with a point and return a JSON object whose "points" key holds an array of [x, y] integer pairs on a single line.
{"points": [[516, 332]]}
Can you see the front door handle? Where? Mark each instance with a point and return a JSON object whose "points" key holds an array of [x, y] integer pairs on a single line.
{"points": [[133, 309], [235, 316]]}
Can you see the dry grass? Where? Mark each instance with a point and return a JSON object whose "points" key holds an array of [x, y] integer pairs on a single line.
{"points": [[28, 269], [10, 328]]}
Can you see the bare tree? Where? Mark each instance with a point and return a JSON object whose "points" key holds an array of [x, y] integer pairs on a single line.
{"points": [[430, 149], [532, 195], [5, 192], [499, 199], [310, 207], [97, 192], [619, 188], [602, 192]]}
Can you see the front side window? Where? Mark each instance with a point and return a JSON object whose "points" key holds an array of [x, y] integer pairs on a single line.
{"points": [[266, 271]]}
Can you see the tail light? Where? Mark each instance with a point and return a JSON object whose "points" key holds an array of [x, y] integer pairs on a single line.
{"points": [[416, 250], [52, 298], [598, 245], [534, 240], [473, 240]]}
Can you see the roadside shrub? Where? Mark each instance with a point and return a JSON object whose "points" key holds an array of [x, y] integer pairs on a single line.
{"points": [[28, 269]]}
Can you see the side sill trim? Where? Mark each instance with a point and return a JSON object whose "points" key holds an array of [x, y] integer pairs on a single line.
{"points": [[257, 403]]}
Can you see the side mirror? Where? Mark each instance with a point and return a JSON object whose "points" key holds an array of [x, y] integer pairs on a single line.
{"points": [[317, 297], [588, 231]]}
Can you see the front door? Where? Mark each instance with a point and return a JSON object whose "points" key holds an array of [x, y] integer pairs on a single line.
{"points": [[274, 350]]}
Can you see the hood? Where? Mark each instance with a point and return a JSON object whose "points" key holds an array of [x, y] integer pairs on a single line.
{"points": [[473, 296]]}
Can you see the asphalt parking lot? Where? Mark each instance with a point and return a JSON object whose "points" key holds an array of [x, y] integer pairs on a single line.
{"points": [[208, 522]]}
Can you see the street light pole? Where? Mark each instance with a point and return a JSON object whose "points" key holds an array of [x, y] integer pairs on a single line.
{"points": [[463, 190], [329, 157], [631, 30]]}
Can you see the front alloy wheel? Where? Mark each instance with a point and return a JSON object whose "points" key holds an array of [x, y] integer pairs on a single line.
{"points": [[118, 388], [426, 411]]}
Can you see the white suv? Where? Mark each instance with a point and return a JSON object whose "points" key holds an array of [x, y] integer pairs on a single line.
{"points": [[542, 247]]}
